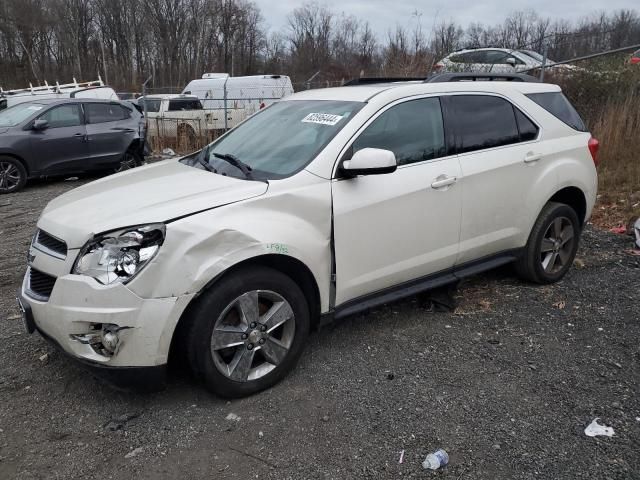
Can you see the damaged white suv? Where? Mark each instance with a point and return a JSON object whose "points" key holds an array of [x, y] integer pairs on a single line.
{"points": [[322, 205]]}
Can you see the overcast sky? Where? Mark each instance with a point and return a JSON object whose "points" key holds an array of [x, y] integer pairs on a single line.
{"points": [[385, 14]]}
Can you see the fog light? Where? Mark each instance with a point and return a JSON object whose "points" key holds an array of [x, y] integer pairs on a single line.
{"points": [[110, 341]]}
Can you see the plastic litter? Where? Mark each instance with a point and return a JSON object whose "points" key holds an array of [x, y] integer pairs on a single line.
{"points": [[401, 456], [168, 151], [232, 417], [595, 429], [435, 460], [619, 230]]}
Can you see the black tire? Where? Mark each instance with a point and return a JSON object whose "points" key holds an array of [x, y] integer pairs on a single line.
{"points": [[218, 300], [13, 175], [538, 266], [130, 159]]}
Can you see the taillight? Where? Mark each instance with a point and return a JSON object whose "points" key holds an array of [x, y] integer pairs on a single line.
{"points": [[594, 146]]}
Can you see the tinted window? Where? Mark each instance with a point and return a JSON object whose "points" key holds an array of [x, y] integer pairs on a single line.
{"points": [[63, 116], [412, 130], [469, 57], [528, 129], [499, 58], [152, 105], [105, 112], [182, 104], [557, 104], [484, 122]]}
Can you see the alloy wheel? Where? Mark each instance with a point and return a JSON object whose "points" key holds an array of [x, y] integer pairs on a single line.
{"points": [[253, 335], [9, 176], [557, 245]]}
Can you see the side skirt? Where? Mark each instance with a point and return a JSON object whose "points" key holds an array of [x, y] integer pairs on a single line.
{"points": [[419, 285]]}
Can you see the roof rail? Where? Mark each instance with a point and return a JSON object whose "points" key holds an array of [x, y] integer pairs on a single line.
{"points": [[373, 80], [448, 77], [481, 77], [46, 88]]}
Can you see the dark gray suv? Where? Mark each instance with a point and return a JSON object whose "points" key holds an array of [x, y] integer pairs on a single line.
{"points": [[52, 137]]}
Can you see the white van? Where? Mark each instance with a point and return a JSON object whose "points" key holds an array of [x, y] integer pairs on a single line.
{"points": [[249, 93], [93, 89]]}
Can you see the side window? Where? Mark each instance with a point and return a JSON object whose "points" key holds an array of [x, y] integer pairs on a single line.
{"points": [[412, 130], [557, 104], [484, 121], [188, 104], [500, 58], [63, 116], [104, 112], [528, 130]]}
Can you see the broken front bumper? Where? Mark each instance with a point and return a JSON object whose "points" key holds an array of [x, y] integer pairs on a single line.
{"points": [[78, 307]]}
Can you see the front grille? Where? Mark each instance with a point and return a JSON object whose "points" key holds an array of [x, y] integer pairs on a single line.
{"points": [[40, 284], [49, 244]]}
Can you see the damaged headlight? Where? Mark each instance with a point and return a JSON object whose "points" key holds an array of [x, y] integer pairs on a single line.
{"points": [[116, 257]]}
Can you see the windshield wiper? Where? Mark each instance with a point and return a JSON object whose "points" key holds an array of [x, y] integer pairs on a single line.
{"points": [[236, 162], [200, 158]]}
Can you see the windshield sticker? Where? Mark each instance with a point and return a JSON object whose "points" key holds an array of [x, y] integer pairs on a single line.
{"points": [[322, 118], [34, 107]]}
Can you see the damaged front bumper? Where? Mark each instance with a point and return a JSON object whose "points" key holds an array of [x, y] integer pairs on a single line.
{"points": [[124, 338]]}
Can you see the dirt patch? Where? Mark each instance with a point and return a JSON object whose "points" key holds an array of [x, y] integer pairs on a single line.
{"points": [[506, 384]]}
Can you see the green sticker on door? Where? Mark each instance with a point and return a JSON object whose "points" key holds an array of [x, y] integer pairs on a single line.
{"points": [[278, 248]]}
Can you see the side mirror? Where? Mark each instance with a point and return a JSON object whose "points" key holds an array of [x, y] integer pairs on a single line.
{"points": [[40, 124], [511, 61], [370, 161]]}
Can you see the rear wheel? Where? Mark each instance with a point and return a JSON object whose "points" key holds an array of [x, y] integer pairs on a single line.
{"points": [[129, 160], [248, 331], [13, 175], [552, 245]]}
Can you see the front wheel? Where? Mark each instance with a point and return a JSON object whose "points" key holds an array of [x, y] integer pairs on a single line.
{"points": [[552, 245], [248, 331], [13, 175]]}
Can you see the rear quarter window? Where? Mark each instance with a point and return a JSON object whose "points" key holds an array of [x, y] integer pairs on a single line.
{"points": [[557, 105]]}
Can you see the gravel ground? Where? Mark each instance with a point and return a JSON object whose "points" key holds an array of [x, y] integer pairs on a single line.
{"points": [[506, 384]]}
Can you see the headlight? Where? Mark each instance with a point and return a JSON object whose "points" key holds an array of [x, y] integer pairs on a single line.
{"points": [[117, 257]]}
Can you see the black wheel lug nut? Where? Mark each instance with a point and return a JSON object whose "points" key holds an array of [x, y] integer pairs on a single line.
{"points": [[253, 325], [244, 336], [250, 346], [261, 341], [263, 328]]}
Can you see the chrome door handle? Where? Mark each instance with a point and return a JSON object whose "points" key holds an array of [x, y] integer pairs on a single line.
{"points": [[443, 181], [532, 157]]}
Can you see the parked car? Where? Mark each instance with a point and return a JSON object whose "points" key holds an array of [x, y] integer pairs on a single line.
{"points": [[635, 58], [51, 137], [325, 204], [498, 60], [94, 89]]}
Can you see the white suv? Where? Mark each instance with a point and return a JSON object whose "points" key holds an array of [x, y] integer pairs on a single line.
{"points": [[324, 204]]}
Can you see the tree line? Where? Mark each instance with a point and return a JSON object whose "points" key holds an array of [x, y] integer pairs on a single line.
{"points": [[175, 41]]}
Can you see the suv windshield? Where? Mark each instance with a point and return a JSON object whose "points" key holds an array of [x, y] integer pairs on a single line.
{"points": [[283, 138], [17, 114], [152, 104]]}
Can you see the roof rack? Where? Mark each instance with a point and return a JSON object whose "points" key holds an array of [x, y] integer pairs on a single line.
{"points": [[481, 77], [447, 77], [374, 80], [57, 88]]}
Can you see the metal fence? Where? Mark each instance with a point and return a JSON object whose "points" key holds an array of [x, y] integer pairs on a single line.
{"points": [[178, 134]]}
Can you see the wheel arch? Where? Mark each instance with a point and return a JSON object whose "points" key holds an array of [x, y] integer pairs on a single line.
{"points": [[19, 159], [290, 266], [573, 197]]}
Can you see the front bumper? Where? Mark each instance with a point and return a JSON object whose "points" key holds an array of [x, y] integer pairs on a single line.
{"points": [[78, 304]]}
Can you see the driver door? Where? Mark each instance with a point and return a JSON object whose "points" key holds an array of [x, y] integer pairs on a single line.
{"points": [[397, 227], [62, 146]]}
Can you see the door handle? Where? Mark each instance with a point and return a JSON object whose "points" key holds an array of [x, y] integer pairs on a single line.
{"points": [[532, 157], [443, 181]]}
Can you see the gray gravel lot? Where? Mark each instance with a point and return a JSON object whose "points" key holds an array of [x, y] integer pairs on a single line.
{"points": [[506, 385]]}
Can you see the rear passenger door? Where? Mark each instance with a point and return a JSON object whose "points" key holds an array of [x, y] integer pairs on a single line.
{"points": [[501, 163], [109, 133]]}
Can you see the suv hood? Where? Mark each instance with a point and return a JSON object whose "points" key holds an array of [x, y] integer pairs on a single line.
{"points": [[149, 194]]}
